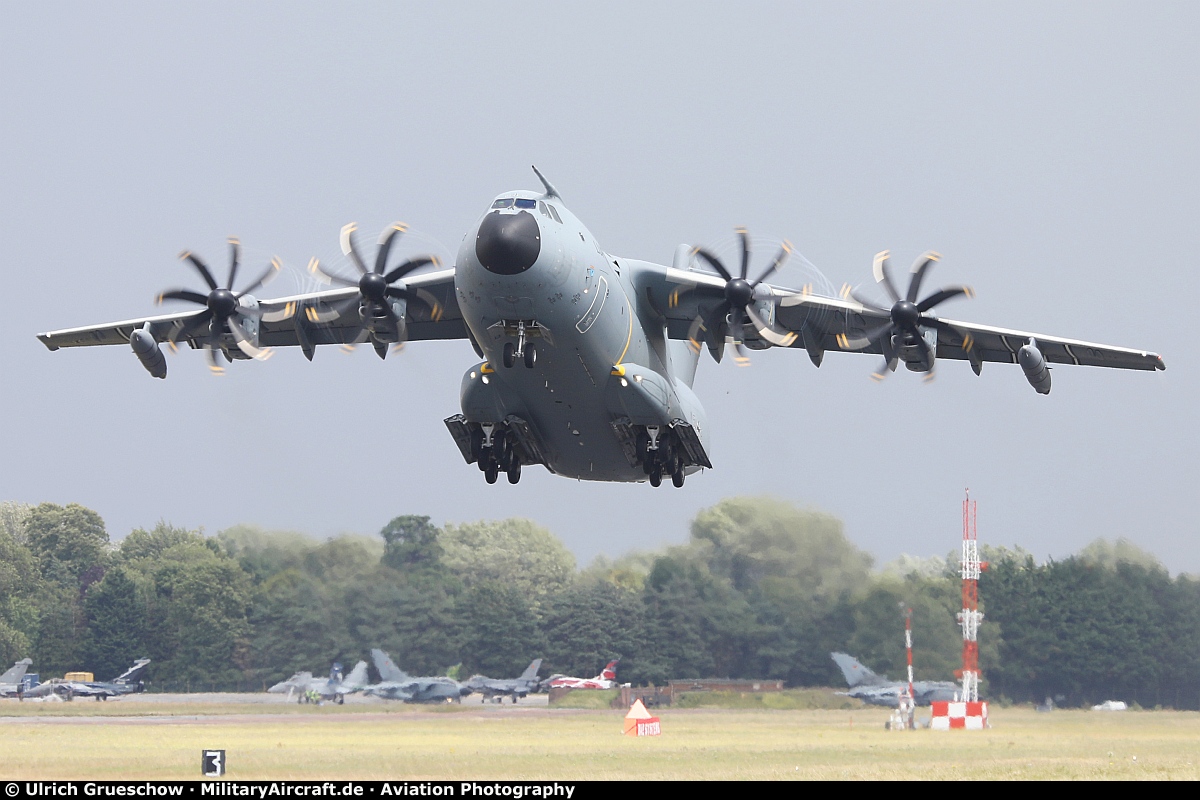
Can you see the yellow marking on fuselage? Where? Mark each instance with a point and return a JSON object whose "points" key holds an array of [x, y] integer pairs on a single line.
{"points": [[629, 338]]}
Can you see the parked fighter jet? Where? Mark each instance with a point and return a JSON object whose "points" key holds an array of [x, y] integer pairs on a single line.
{"points": [[334, 688], [496, 688], [399, 685], [879, 691], [607, 679], [127, 682], [12, 682]]}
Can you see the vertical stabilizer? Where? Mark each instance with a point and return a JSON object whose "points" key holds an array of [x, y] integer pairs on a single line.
{"points": [[357, 677], [17, 672], [856, 674], [610, 671], [530, 673], [131, 674], [387, 668]]}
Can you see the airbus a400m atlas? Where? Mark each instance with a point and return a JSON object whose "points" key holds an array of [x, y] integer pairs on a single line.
{"points": [[587, 359]]}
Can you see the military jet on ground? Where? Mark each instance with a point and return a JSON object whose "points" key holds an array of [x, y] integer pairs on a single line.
{"points": [[607, 679], [399, 685], [879, 691], [12, 683], [127, 682], [334, 688], [496, 688], [587, 360]]}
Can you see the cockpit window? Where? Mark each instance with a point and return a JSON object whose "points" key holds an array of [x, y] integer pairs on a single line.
{"points": [[523, 202], [503, 202], [554, 213]]}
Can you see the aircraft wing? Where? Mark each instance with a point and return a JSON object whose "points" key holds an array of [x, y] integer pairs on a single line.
{"points": [[696, 307], [303, 320]]}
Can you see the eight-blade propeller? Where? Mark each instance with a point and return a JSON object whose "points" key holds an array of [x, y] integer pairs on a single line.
{"points": [[738, 306], [223, 308], [906, 315], [376, 301]]}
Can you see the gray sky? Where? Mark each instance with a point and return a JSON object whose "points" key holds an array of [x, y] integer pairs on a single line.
{"points": [[1047, 150]]}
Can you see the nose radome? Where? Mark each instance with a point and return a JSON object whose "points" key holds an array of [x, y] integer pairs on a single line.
{"points": [[508, 244]]}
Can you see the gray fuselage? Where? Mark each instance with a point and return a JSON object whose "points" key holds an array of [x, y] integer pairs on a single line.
{"points": [[601, 355]]}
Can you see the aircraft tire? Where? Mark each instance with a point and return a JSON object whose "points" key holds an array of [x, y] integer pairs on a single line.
{"points": [[656, 476], [491, 472], [510, 354], [530, 355], [677, 475], [514, 470]]}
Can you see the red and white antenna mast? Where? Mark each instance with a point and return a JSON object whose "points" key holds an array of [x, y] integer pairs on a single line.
{"points": [[970, 616]]}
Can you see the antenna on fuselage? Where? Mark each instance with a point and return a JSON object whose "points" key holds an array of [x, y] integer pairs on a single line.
{"points": [[550, 190]]}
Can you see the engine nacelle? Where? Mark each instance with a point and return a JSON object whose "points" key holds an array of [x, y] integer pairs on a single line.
{"points": [[1033, 363], [146, 349]]}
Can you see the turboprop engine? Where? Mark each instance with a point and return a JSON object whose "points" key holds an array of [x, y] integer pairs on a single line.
{"points": [[145, 347], [1033, 363]]}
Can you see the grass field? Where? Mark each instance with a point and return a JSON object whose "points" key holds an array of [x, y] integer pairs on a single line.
{"points": [[119, 740]]}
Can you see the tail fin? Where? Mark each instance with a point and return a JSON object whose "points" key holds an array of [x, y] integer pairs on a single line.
{"points": [[131, 674], [386, 667], [610, 671], [855, 673], [531, 671], [357, 677], [17, 673]]}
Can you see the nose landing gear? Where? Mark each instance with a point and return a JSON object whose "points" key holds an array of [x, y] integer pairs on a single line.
{"points": [[524, 349]]}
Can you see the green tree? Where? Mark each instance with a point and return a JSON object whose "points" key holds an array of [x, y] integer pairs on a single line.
{"points": [[20, 586], [411, 542], [500, 633], [514, 552], [69, 541], [294, 624], [115, 620], [593, 622]]}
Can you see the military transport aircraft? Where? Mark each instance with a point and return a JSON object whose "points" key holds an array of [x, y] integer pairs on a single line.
{"points": [[587, 359]]}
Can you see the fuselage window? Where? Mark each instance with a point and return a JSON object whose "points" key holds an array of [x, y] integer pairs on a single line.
{"points": [[523, 202], [503, 202]]}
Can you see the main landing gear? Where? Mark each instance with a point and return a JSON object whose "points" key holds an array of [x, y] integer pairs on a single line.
{"points": [[494, 453], [660, 455]]}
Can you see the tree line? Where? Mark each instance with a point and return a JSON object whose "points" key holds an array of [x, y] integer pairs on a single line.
{"points": [[761, 590]]}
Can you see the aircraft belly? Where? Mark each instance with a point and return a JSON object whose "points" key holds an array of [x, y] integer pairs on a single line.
{"points": [[589, 327]]}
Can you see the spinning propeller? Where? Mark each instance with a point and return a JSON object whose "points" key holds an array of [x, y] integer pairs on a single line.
{"points": [[906, 315], [223, 309], [738, 305], [378, 316]]}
